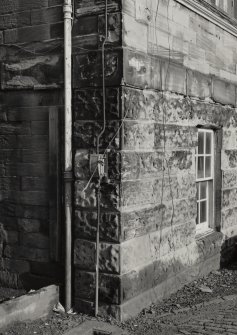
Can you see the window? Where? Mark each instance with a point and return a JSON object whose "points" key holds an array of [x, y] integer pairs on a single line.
{"points": [[205, 180]]}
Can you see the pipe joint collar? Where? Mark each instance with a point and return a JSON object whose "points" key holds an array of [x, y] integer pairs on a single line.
{"points": [[67, 9]]}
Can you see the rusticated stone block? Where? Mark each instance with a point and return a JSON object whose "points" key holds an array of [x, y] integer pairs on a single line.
{"points": [[229, 178], [88, 69], [85, 26], [229, 198], [85, 134], [87, 198], [141, 70], [88, 104], [109, 286], [85, 256], [82, 165], [228, 159], [140, 222], [86, 225], [175, 137], [38, 72], [137, 165], [114, 28], [152, 247], [140, 104], [229, 218], [138, 135]]}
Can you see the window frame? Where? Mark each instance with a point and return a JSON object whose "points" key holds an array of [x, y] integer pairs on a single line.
{"points": [[209, 199]]}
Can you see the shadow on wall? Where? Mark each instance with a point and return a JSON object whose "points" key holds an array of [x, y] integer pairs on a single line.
{"points": [[229, 251]]}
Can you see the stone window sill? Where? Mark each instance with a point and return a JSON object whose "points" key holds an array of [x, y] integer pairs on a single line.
{"points": [[212, 14]]}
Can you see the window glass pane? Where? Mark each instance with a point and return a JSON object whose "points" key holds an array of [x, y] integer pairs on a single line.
{"points": [[200, 167], [201, 142], [203, 211], [203, 190], [208, 167], [208, 143]]}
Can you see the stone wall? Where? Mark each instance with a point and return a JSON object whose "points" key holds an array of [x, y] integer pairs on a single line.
{"points": [[170, 76], [30, 101]]}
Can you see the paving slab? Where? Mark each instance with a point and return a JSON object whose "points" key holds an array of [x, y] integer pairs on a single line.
{"points": [[96, 328]]}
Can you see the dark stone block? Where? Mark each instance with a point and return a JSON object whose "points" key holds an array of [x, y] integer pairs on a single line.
{"points": [[87, 69], [88, 104]]}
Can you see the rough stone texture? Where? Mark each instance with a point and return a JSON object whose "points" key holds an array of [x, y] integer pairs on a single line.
{"points": [[31, 66]]}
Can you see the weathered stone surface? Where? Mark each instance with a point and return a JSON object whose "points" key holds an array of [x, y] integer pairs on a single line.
{"points": [[92, 6], [87, 198], [88, 104], [138, 136], [86, 225], [141, 70], [85, 256], [153, 246], [229, 218], [229, 198], [140, 222], [153, 191], [15, 20], [114, 28], [88, 69], [228, 159], [198, 85], [85, 134], [229, 178], [173, 78], [82, 165], [38, 72], [175, 137], [109, 286], [224, 92]]}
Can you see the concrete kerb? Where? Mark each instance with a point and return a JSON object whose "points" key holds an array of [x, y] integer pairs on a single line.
{"points": [[29, 307]]}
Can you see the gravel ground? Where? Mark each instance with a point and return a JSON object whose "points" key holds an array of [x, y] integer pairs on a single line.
{"points": [[149, 321]]}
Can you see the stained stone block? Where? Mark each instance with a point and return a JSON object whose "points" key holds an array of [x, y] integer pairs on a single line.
{"points": [[87, 198], [85, 256], [86, 225], [88, 104]]}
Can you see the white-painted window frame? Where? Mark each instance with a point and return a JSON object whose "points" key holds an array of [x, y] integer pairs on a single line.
{"points": [[204, 226]]}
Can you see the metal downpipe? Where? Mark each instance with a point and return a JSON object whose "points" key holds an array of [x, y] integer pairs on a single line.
{"points": [[67, 10]]}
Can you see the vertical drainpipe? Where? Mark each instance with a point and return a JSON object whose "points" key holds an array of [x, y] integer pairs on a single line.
{"points": [[67, 10]]}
